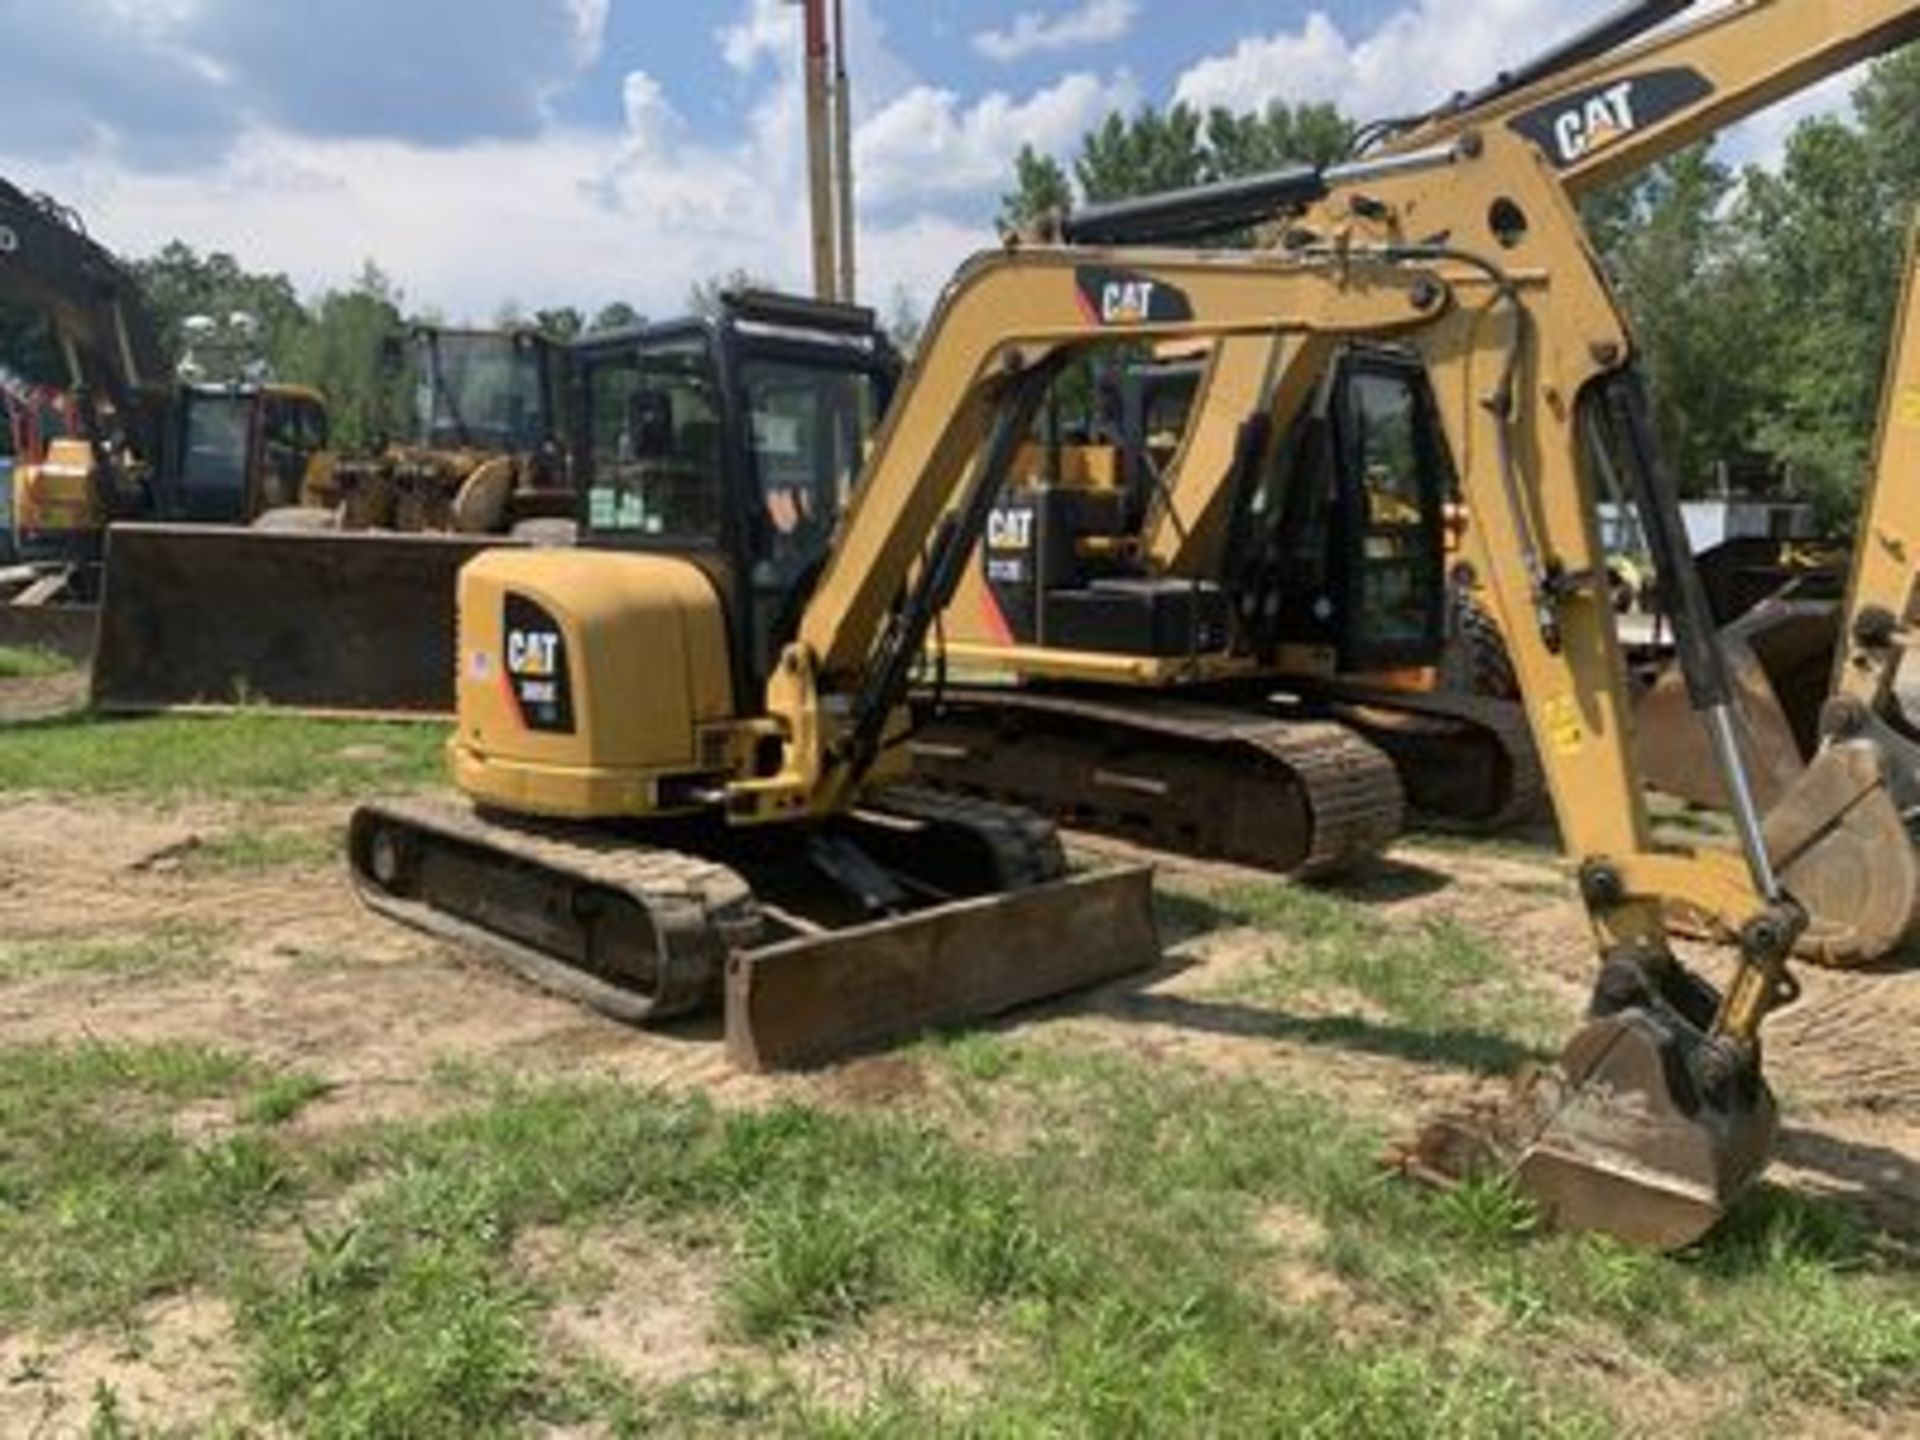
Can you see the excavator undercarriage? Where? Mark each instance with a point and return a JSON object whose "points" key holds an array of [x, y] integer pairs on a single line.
{"points": [[915, 911]]}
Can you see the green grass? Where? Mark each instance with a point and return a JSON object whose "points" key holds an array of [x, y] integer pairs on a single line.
{"points": [[175, 950], [32, 662], [256, 847], [1338, 974], [250, 753], [1118, 1242], [103, 1206], [282, 1097], [1110, 1255], [1112, 1244]]}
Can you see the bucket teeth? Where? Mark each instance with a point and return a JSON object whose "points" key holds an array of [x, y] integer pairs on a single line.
{"points": [[1621, 1137]]}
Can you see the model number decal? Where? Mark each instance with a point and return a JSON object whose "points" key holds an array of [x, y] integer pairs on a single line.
{"points": [[536, 669]]}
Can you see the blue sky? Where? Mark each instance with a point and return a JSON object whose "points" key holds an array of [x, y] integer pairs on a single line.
{"points": [[546, 152]]}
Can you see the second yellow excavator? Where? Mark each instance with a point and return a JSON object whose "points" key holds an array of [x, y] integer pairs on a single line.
{"points": [[1198, 664]]}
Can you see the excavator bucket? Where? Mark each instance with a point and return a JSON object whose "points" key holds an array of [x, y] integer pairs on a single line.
{"points": [[1780, 658], [1832, 823], [325, 621], [805, 1002], [1620, 1138]]}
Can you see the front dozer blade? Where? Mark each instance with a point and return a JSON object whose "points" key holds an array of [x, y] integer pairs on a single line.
{"points": [[808, 1001], [1619, 1139], [325, 621]]}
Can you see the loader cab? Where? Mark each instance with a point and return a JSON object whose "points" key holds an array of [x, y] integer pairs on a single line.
{"points": [[497, 391], [1339, 543], [734, 441], [240, 450]]}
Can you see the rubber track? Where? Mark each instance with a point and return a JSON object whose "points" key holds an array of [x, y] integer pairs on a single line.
{"points": [[1351, 790], [1504, 720], [1026, 845], [701, 910]]}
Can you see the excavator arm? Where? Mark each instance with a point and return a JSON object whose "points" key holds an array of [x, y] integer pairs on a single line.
{"points": [[1607, 106], [1658, 1114], [104, 330]]}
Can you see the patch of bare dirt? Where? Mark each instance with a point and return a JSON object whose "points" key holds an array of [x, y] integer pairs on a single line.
{"points": [[650, 1310], [653, 1312], [41, 697], [306, 977], [176, 1367]]}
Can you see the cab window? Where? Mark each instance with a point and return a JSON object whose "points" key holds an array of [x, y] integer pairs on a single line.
{"points": [[655, 456], [1399, 561], [809, 430]]}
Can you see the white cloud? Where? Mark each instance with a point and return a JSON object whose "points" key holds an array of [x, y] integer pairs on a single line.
{"points": [[1097, 22], [1430, 50], [1421, 55], [1763, 140], [928, 144], [589, 30], [770, 29]]}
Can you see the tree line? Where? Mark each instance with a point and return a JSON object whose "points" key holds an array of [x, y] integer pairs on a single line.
{"points": [[1761, 299]]}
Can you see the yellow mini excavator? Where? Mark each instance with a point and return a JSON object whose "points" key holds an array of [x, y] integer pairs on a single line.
{"points": [[1200, 657]]}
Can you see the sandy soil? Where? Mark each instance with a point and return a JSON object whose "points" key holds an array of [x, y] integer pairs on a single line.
{"points": [[300, 975], [42, 698]]}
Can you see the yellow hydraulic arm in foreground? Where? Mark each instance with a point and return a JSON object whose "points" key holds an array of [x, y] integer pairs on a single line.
{"points": [[1529, 361]]}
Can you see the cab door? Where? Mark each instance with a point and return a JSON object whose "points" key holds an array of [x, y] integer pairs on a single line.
{"points": [[1391, 557], [1341, 544]]}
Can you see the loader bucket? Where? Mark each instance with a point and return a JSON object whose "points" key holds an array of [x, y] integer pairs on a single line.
{"points": [[331, 622], [808, 1001], [1780, 656], [1619, 1139]]}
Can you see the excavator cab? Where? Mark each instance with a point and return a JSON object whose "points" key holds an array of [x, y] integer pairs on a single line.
{"points": [[734, 441], [1339, 543]]}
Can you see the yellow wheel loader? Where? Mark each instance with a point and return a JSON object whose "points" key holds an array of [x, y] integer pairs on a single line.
{"points": [[340, 598], [486, 452]]}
